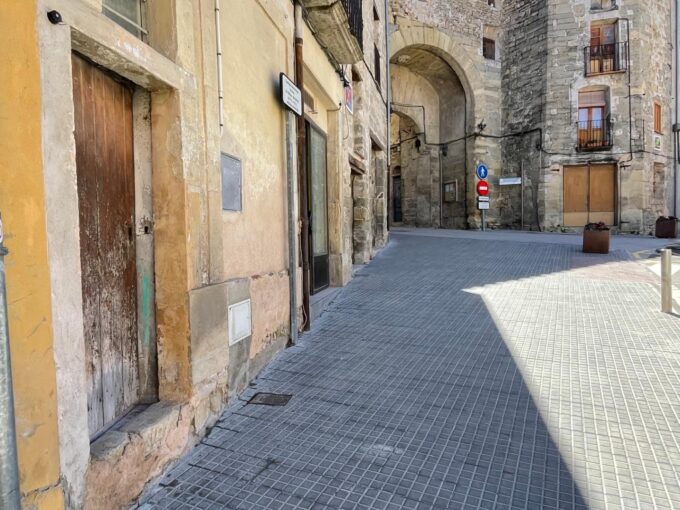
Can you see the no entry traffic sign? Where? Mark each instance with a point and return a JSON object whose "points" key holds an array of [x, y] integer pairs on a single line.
{"points": [[482, 188]]}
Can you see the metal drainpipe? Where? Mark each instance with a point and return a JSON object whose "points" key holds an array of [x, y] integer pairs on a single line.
{"points": [[388, 108], [465, 167], [676, 109], [292, 231], [220, 79], [9, 471], [302, 168]]}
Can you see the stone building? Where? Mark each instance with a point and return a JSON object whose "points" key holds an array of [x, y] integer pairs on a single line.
{"points": [[151, 206], [575, 98]]}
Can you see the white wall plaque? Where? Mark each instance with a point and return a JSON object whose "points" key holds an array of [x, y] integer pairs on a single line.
{"points": [[239, 321]]}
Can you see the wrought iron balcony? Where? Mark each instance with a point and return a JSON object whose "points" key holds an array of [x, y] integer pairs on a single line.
{"points": [[595, 134], [606, 58], [339, 26]]}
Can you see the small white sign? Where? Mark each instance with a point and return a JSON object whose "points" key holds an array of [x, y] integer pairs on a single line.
{"points": [[657, 142], [483, 199], [508, 181], [291, 96], [482, 205], [239, 321]]}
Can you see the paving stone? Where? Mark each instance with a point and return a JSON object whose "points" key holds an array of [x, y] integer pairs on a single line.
{"points": [[461, 372]]}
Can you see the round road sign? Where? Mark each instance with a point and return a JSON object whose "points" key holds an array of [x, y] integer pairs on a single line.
{"points": [[483, 188], [482, 171]]}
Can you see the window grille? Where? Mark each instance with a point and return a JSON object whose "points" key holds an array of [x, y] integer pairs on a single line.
{"points": [[129, 14]]}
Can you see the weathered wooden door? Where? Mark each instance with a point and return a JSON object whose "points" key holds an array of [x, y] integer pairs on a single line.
{"points": [[396, 194], [589, 194], [106, 199]]}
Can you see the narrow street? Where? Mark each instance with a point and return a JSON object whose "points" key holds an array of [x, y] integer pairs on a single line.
{"points": [[462, 370]]}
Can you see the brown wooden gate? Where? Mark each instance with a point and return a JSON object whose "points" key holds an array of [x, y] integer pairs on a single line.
{"points": [[106, 198], [589, 194]]}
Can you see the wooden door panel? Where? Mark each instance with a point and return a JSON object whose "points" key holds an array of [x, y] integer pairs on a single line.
{"points": [[105, 165], [589, 195], [575, 195], [602, 188], [83, 92]]}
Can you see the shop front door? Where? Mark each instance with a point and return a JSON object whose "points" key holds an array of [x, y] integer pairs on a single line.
{"points": [[318, 208]]}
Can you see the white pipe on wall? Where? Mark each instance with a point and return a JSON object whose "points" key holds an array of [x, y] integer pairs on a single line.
{"points": [[220, 79], [676, 109]]}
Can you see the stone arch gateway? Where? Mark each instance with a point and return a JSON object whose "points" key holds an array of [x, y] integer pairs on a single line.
{"points": [[439, 98]]}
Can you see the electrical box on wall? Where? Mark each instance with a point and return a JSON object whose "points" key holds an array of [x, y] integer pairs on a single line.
{"points": [[239, 321]]}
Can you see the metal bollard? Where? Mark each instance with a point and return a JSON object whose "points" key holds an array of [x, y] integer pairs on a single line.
{"points": [[666, 281], [9, 472]]}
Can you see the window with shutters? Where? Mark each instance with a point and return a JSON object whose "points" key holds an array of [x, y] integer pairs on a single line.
{"points": [[602, 5], [658, 118]]}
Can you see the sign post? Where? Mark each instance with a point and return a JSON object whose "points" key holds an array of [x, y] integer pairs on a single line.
{"points": [[483, 192], [10, 495]]}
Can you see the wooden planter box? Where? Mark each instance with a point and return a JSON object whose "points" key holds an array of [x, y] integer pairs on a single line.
{"points": [[596, 241], [666, 229]]}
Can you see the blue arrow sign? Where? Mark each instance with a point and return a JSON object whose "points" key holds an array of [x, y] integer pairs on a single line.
{"points": [[482, 171]]}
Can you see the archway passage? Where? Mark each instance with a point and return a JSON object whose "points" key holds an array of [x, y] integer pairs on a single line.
{"points": [[430, 114]]}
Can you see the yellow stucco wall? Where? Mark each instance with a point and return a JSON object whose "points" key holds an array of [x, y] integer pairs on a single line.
{"points": [[256, 46], [23, 209]]}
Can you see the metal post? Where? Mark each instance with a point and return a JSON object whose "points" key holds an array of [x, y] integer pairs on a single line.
{"points": [[302, 169], [521, 187], [483, 220], [666, 281], [292, 227], [9, 470]]}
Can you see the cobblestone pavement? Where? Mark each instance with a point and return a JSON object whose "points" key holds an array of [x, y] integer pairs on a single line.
{"points": [[461, 373]]}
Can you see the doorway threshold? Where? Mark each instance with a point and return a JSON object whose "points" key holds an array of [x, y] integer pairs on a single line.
{"points": [[319, 302]]}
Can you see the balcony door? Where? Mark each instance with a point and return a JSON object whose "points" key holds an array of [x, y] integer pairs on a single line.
{"points": [[603, 53], [592, 120], [318, 207]]}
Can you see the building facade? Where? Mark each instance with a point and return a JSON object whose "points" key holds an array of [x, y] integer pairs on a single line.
{"points": [[152, 209], [579, 106]]}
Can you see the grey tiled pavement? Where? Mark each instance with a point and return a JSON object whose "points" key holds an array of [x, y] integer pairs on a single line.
{"points": [[461, 373]]}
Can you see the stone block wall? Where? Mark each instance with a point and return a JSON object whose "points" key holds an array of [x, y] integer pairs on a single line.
{"points": [[528, 100], [525, 39]]}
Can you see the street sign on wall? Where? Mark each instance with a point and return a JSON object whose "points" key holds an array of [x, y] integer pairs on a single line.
{"points": [[291, 96], [508, 181]]}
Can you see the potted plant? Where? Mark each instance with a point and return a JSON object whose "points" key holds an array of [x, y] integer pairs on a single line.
{"points": [[667, 227], [596, 238]]}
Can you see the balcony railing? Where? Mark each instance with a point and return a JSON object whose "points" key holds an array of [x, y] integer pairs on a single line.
{"points": [[606, 58], [595, 134], [355, 18]]}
